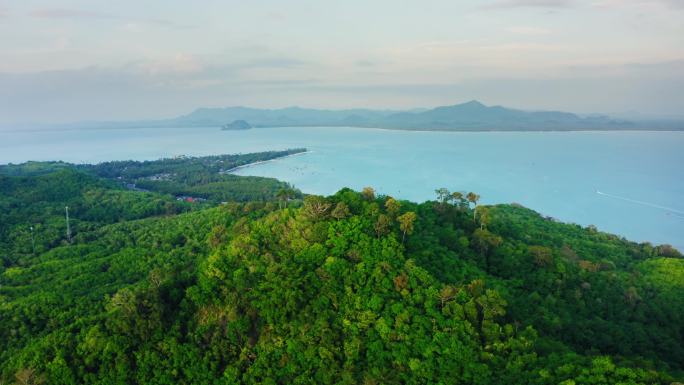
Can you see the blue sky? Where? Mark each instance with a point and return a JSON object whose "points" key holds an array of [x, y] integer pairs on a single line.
{"points": [[93, 60]]}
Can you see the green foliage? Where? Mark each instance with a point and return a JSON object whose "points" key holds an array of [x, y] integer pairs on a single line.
{"points": [[205, 177], [32, 209], [347, 289]]}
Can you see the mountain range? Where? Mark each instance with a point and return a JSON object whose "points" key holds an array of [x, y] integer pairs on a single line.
{"points": [[469, 116]]}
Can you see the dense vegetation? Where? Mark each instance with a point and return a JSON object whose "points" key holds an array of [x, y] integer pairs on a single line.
{"points": [[32, 209], [33, 195], [205, 177], [351, 288]]}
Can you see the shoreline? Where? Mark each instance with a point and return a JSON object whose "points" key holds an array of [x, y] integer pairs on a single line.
{"points": [[468, 130], [483, 131], [229, 171]]}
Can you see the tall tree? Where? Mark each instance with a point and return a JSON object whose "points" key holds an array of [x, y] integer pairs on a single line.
{"points": [[482, 213], [443, 195], [283, 195], [392, 206], [406, 223], [473, 198], [457, 197]]}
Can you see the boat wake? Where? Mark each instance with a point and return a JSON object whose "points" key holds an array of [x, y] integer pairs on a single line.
{"points": [[677, 213]]}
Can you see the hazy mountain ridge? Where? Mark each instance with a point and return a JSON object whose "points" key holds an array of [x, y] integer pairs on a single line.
{"points": [[289, 116], [472, 115], [469, 116]]}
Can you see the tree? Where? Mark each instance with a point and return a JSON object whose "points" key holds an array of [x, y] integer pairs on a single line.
{"points": [[457, 197], [443, 195], [382, 225], [368, 193], [29, 376], [485, 241], [668, 251], [315, 207], [473, 198], [283, 195], [218, 235], [340, 211], [542, 256], [406, 223], [392, 206], [446, 294], [483, 213]]}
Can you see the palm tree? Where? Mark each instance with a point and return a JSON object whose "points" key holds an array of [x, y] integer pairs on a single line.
{"points": [[473, 198], [458, 198], [406, 224], [392, 206]]}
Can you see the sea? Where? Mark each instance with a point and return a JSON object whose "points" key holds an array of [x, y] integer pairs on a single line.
{"points": [[629, 183]]}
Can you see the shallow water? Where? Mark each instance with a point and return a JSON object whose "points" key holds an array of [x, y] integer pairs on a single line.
{"points": [[628, 183]]}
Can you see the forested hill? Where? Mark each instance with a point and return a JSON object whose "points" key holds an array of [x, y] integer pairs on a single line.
{"points": [[347, 289]]}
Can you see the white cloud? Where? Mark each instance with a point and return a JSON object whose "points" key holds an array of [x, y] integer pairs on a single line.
{"points": [[669, 4], [81, 14], [528, 30], [64, 13], [531, 4], [218, 53]]}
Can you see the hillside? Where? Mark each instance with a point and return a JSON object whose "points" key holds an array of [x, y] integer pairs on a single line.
{"points": [[351, 288]]}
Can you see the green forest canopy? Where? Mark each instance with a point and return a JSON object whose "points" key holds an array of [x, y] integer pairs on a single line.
{"points": [[350, 288]]}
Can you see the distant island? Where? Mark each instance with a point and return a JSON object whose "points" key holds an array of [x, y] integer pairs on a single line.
{"points": [[469, 116], [236, 125]]}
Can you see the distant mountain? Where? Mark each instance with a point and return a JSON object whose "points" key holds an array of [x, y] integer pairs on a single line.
{"points": [[475, 116], [291, 116], [470, 116]]}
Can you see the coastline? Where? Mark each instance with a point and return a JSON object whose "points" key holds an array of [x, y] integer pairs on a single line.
{"points": [[152, 125], [492, 130], [229, 171]]}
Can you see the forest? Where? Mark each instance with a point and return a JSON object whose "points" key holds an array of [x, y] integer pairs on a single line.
{"points": [[261, 284]]}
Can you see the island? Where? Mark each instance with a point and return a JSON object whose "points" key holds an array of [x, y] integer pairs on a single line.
{"points": [[236, 125]]}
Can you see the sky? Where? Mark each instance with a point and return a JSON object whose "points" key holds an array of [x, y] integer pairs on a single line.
{"points": [[63, 61]]}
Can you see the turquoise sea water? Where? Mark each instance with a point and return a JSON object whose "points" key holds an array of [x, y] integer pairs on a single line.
{"points": [[628, 183]]}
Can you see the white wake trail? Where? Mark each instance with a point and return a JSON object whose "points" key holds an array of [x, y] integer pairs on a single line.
{"points": [[670, 209]]}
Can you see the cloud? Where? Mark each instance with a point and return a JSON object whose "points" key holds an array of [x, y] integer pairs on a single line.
{"points": [[79, 14], [166, 23], [679, 4], [63, 13], [133, 92], [528, 30], [531, 4], [670, 4]]}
